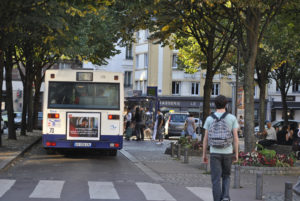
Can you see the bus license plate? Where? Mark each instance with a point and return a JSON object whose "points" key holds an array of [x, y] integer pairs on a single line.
{"points": [[82, 144]]}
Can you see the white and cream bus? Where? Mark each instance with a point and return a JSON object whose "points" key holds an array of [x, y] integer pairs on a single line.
{"points": [[83, 109]]}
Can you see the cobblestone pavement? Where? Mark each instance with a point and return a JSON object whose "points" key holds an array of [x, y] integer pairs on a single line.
{"points": [[176, 172]]}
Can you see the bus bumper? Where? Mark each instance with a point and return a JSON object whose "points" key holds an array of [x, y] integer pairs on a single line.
{"points": [[60, 141]]}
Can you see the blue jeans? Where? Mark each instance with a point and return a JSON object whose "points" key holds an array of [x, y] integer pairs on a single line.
{"points": [[220, 165]]}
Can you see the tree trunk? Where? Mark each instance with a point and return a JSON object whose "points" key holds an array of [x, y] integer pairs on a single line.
{"points": [[262, 105], [25, 105], [1, 91], [252, 31], [206, 100], [284, 107], [9, 95], [27, 98], [30, 105], [37, 96]]}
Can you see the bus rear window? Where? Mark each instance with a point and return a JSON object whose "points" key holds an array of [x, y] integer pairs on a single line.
{"points": [[79, 95]]}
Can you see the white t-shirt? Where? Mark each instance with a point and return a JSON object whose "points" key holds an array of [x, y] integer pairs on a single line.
{"points": [[129, 116], [271, 134]]}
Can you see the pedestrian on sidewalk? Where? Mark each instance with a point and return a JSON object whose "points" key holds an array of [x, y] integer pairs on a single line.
{"points": [[159, 127], [241, 123], [128, 118], [190, 126], [155, 128], [138, 123], [220, 131]]}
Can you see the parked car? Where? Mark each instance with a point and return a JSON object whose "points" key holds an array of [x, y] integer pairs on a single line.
{"points": [[175, 123], [17, 120], [279, 124]]}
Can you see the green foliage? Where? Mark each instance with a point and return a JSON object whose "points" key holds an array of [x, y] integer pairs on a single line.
{"points": [[187, 142], [269, 154]]}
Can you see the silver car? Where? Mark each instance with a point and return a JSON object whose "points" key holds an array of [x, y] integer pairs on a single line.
{"points": [[174, 124]]}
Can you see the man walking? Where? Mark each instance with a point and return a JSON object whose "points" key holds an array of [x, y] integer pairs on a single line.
{"points": [[220, 131]]}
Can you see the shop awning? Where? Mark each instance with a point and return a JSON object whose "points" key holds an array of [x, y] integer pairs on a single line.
{"points": [[291, 105]]}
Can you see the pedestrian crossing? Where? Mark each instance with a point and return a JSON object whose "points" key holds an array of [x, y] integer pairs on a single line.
{"points": [[47, 189], [103, 190]]}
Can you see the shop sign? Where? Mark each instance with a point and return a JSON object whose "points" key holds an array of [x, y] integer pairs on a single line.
{"points": [[290, 98]]}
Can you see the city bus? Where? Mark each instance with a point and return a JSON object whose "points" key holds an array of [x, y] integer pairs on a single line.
{"points": [[83, 109]]}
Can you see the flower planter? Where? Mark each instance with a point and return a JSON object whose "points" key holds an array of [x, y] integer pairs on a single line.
{"points": [[269, 170]]}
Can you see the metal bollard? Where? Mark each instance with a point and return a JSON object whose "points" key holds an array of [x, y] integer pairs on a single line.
{"points": [[186, 155], [172, 149], [288, 192], [236, 176], [178, 151], [259, 185]]}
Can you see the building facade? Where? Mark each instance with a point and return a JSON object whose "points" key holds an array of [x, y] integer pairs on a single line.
{"points": [[156, 66], [122, 62], [275, 102]]}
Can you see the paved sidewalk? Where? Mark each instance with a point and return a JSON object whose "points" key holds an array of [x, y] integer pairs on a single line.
{"points": [[12, 149], [176, 172]]}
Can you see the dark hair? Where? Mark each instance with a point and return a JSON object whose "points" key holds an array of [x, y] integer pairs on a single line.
{"points": [[284, 128], [191, 115], [220, 102]]}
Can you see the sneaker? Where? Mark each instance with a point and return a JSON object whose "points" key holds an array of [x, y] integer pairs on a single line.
{"points": [[158, 142]]}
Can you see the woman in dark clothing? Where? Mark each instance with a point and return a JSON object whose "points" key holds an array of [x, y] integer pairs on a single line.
{"points": [[281, 135], [289, 136], [138, 123], [296, 143]]}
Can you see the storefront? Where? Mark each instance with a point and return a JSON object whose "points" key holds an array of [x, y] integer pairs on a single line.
{"points": [[293, 111]]}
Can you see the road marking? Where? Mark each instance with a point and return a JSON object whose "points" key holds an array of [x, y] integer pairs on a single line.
{"points": [[154, 191], [5, 185], [103, 190], [48, 189], [202, 193]]}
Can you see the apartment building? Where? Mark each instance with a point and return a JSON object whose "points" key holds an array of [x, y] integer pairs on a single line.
{"points": [[156, 66], [122, 62]]}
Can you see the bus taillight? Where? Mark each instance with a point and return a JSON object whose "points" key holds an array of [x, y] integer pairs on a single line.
{"points": [[114, 145], [113, 117], [50, 144], [53, 116]]}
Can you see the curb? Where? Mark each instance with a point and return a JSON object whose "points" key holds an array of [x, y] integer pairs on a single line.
{"points": [[153, 175], [7, 162]]}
